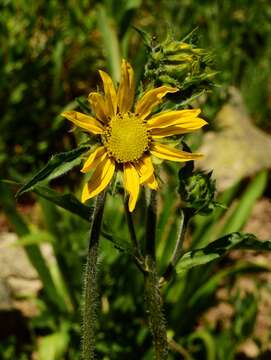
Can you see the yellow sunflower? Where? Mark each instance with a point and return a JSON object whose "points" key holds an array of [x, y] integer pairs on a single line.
{"points": [[129, 135]]}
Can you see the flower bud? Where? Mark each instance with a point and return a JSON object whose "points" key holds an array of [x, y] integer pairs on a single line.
{"points": [[181, 64], [197, 191]]}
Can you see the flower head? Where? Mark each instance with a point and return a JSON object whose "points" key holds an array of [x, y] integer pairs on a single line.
{"points": [[129, 135]]}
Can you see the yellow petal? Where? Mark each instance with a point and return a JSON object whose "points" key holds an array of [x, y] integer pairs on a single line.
{"points": [[151, 99], [131, 184], [176, 130], [180, 118], [168, 153], [94, 158], [151, 182], [126, 91], [146, 172], [99, 179], [97, 103], [144, 168], [109, 93], [83, 121]]}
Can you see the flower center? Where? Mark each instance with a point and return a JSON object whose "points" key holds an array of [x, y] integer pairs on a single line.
{"points": [[126, 137]]}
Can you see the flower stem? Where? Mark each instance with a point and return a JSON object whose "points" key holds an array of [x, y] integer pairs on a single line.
{"points": [[137, 254], [131, 228], [90, 282], [153, 300], [154, 307], [178, 250]]}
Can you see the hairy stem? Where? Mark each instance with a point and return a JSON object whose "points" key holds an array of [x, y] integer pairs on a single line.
{"points": [[90, 296], [154, 307], [153, 300]]}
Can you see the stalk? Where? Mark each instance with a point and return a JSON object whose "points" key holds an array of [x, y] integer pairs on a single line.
{"points": [[90, 293], [131, 229], [137, 253], [153, 299], [178, 250]]}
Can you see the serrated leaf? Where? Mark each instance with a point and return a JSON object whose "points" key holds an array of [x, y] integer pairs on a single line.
{"points": [[58, 165], [220, 247]]}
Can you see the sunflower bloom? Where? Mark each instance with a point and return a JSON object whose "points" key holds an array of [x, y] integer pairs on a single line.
{"points": [[129, 135]]}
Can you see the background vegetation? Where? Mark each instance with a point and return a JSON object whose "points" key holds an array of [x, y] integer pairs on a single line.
{"points": [[50, 53]]}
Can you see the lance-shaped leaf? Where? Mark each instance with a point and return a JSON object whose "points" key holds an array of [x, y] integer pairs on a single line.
{"points": [[58, 165], [65, 201], [70, 203], [220, 247]]}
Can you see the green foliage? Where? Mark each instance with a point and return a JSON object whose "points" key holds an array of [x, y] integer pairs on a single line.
{"points": [[57, 166], [32, 248], [243, 209], [126, 301], [49, 57], [8, 350], [53, 346], [219, 248], [42, 67], [65, 201]]}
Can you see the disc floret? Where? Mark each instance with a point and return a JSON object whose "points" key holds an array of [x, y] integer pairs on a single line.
{"points": [[126, 137]]}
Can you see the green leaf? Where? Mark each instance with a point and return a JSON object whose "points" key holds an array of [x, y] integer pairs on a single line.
{"points": [[54, 346], [110, 42], [65, 201], [206, 225], [208, 342], [58, 165], [245, 317], [35, 238], [83, 104], [209, 287], [71, 204], [119, 244], [244, 208], [8, 205], [220, 247]]}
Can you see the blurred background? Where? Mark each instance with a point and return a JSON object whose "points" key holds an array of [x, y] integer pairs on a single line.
{"points": [[49, 56]]}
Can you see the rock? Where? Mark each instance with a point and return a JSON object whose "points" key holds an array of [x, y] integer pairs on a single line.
{"points": [[13, 260], [5, 296], [259, 222], [239, 150], [17, 277]]}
